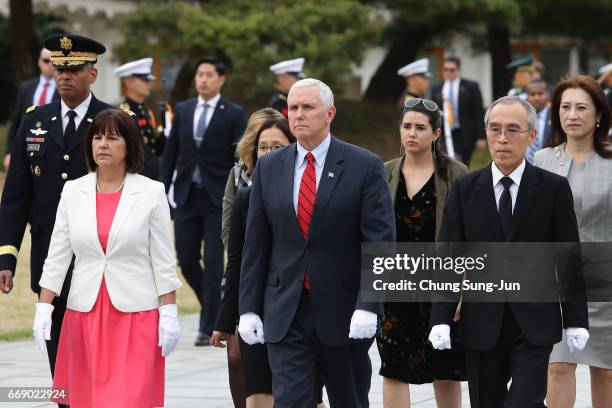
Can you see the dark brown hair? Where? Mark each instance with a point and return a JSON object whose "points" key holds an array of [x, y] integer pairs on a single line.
{"points": [[590, 86], [441, 159], [121, 123], [280, 124]]}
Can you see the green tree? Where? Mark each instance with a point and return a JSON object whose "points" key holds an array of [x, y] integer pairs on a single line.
{"points": [[491, 24], [249, 36], [416, 24]]}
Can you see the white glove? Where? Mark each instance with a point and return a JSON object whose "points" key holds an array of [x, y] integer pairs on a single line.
{"points": [[251, 329], [439, 336], [363, 324], [169, 330], [42, 325], [576, 338]]}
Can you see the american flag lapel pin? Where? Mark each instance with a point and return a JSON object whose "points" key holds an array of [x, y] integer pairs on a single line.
{"points": [[330, 174]]}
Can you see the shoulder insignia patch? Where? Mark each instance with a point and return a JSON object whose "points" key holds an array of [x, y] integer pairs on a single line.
{"points": [[31, 108], [129, 112]]}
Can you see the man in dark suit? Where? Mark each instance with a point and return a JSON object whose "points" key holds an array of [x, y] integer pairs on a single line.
{"points": [[312, 204], [538, 95], [47, 152], [201, 149], [36, 91], [510, 201], [461, 101]]}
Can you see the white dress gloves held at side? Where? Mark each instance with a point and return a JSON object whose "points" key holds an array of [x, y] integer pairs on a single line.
{"points": [[439, 336], [169, 329], [251, 329], [363, 324], [576, 337], [42, 325]]}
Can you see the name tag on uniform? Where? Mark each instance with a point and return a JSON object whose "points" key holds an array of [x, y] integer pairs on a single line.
{"points": [[32, 147], [35, 139]]}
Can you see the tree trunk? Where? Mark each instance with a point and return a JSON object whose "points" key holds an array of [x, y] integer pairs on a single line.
{"points": [[22, 39], [386, 86], [501, 54], [183, 85]]}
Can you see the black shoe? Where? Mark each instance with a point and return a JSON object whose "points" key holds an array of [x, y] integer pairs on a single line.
{"points": [[202, 339]]}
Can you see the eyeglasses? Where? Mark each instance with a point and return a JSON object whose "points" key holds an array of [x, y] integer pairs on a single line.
{"points": [[510, 132], [263, 149], [429, 105]]}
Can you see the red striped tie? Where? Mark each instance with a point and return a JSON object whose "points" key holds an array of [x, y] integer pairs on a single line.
{"points": [[306, 201], [42, 99]]}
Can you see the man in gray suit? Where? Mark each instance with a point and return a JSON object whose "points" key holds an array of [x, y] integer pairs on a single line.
{"points": [[312, 205]]}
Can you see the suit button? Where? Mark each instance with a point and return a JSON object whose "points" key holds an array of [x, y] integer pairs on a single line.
{"points": [[308, 252], [66, 157], [64, 176]]}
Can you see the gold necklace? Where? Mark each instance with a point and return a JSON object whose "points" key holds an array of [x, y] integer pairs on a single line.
{"points": [[116, 191]]}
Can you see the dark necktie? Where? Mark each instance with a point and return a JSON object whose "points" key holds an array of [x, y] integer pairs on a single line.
{"points": [[70, 132], [306, 201], [199, 137], [505, 206]]}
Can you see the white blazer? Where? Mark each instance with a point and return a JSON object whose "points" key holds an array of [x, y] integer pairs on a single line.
{"points": [[139, 265]]}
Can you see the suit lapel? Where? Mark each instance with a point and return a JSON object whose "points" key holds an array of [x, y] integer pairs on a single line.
{"points": [[55, 126], [126, 203], [190, 111], [461, 95], [332, 172], [486, 197], [90, 219], [527, 193], [287, 174], [217, 117]]}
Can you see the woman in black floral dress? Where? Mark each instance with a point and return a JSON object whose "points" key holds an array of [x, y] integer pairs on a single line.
{"points": [[419, 181]]}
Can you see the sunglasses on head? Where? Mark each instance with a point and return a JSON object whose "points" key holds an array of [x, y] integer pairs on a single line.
{"points": [[429, 105]]}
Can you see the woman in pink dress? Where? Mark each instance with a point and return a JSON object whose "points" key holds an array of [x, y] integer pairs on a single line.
{"points": [[121, 319]]}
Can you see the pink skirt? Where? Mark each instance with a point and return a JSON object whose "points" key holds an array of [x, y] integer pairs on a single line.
{"points": [[107, 358]]}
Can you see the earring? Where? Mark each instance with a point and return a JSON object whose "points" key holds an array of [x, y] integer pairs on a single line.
{"points": [[597, 124]]}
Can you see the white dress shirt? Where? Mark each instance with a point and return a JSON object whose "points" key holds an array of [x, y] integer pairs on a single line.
{"points": [[39, 89], [319, 153], [455, 102], [80, 110], [498, 187], [212, 104]]}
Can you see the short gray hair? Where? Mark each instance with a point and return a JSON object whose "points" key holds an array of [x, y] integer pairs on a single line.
{"points": [[532, 116], [325, 93]]}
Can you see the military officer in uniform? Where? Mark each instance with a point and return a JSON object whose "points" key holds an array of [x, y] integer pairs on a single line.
{"points": [[136, 77], [523, 72], [48, 151], [287, 73], [417, 79]]}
